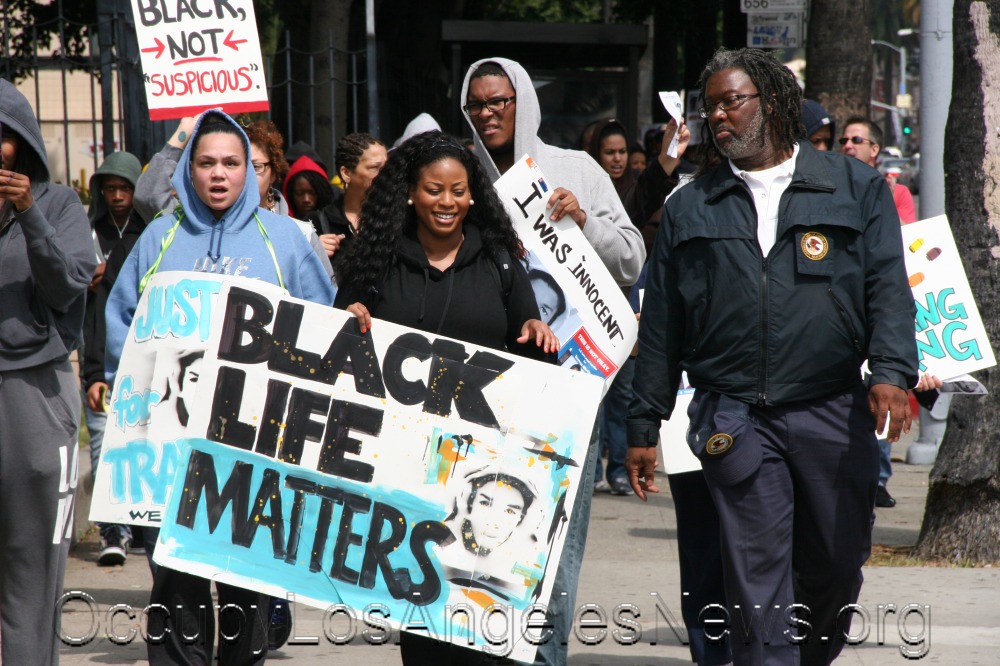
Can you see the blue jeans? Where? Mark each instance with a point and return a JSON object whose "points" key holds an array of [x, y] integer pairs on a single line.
{"points": [[884, 461], [96, 422], [614, 409], [562, 603]]}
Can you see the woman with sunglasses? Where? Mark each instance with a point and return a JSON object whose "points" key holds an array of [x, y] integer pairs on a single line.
{"points": [[218, 217]]}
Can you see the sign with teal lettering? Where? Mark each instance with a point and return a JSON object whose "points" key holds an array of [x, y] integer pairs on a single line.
{"points": [[394, 472], [198, 55], [152, 396], [951, 338]]}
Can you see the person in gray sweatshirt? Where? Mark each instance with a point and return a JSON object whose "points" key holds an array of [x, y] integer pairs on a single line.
{"points": [[46, 263]]}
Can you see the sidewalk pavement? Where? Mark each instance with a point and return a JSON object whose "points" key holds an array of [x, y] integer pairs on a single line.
{"points": [[632, 556]]}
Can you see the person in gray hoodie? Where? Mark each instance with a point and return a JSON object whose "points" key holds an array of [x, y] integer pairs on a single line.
{"points": [[111, 216], [501, 106], [47, 261]]}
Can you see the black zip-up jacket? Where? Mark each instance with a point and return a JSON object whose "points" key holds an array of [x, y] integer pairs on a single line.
{"points": [[466, 301], [797, 325]]}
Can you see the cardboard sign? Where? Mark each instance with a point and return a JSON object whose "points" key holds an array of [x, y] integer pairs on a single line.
{"points": [[677, 455], [421, 476], [152, 396], [951, 338], [198, 56], [576, 295]]}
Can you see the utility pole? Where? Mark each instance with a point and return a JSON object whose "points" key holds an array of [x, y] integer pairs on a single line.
{"points": [[935, 96]]}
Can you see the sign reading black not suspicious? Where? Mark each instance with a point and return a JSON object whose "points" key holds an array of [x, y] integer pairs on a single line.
{"points": [[198, 55]]}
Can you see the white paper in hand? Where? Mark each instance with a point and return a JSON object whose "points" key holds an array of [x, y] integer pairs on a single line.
{"points": [[672, 103]]}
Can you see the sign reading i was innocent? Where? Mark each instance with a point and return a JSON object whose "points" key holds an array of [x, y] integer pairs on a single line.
{"points": [[199, 54]]}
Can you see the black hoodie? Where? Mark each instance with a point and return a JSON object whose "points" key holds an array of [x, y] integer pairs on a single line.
{"points": [[466, 301]]}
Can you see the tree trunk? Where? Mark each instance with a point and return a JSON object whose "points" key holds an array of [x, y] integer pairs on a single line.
{"points": [[962, 516], [838, 57], [329, 24]]}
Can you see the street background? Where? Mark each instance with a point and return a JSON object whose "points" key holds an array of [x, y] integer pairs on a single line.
{"points": [[631, 554]]}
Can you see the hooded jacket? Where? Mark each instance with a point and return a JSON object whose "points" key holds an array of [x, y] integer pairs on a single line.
{"points": [[106, 233], [420, 296], [424, 122], [301, 165], [154, 194], [608, 228], [231, 245], [46, 257]]}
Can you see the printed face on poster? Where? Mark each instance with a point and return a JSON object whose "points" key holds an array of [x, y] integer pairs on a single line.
{"points": [[151, 401], [951, 338], [576, 295], [393, 468], [197, 56]]}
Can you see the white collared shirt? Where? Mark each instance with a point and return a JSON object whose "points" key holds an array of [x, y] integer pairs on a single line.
{"points": [[767, 186]]}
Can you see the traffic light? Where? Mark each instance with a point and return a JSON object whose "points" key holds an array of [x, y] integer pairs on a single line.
{"points": [[907, 126]]}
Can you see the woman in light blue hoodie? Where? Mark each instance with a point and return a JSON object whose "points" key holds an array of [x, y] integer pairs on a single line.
{"points": [[217, 228]]}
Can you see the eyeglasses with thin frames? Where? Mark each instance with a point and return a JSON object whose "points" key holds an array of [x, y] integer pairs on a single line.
{"points": [[730, 103], [853, 139], [261, 167], [495, 105]]}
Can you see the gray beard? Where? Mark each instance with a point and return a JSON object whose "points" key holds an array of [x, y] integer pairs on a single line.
{"points": [[748, 144]]}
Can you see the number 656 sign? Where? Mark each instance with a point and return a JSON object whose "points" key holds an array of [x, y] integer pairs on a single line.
{"points": [[756, 6]]}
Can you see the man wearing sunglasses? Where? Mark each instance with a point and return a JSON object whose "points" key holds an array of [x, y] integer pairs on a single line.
{"points": [[775, 273], [862, 139]]}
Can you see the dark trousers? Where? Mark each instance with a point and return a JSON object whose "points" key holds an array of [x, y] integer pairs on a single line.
{"points": [[189, 633], [420, 650], [799, 529], [700, 553], [614, 409]]}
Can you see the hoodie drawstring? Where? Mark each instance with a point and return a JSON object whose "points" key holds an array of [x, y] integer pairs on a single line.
{"points": [[211, 241], [447, 300], [423, 296], [168, 239]]}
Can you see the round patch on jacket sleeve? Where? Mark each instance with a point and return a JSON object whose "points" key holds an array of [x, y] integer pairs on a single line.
{"points": [[718, 443], [814, 245]]}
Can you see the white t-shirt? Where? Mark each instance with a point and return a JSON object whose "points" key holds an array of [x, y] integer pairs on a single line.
{"points": [[767, 186]]}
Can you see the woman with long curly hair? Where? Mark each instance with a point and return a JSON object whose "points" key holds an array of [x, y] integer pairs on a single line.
{"points": [[437, 252]]}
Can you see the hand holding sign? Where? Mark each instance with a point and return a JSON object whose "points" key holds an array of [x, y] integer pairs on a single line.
{"points": [[672, 103], [563, 202]]}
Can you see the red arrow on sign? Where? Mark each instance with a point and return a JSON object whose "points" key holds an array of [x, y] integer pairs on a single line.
{"points": [[158, 49], [233, 43]]}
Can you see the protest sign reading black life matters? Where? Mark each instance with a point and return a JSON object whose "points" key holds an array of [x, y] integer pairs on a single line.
{"points": [[576, 295], [198, 55], [392, 467], [152, 397]]}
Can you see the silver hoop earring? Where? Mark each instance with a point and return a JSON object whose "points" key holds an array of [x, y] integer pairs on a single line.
{"points": [[409, 202]]}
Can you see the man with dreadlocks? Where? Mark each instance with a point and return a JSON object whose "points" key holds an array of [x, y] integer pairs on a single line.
{"points": [[775, 274]]}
